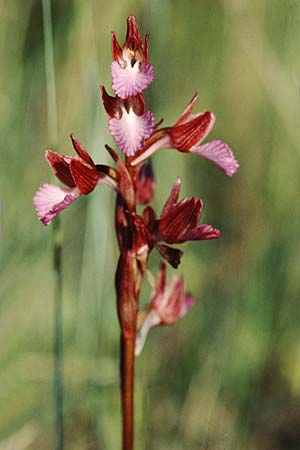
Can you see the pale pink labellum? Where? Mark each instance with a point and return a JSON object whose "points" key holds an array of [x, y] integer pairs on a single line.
{"points": [[49, 200], [218, 153], [131, 130], [129, 80]]}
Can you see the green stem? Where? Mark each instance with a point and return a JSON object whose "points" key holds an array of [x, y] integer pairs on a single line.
{"points": [[57, 231]]}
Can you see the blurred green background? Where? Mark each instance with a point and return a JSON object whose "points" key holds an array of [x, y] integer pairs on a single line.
{"points": [[229, 372]]}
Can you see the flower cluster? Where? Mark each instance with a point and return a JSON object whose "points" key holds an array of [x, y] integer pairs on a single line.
{"points": [[136, 134]]}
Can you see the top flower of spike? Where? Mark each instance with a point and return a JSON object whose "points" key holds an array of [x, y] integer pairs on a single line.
{"points": [[130, 71]]}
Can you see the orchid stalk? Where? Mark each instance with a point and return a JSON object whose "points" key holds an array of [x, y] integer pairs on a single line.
{"points": [[138, 137]]}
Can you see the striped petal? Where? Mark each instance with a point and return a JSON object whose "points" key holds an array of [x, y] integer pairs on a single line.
{"points": [[60, 166], [187, 134], [84, 175]]}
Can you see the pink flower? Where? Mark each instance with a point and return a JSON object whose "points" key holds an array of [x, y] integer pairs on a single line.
{"points": [[169, 302], [186, 135], [129, 124], [130, 71], [78, 173], [179, 220]]}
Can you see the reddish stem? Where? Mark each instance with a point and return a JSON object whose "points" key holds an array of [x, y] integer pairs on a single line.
{"points": [[127, 358]]}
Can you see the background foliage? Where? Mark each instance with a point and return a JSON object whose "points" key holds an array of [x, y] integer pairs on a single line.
{"points": [[229, 372]]}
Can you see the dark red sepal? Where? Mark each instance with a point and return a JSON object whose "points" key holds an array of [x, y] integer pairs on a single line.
{"points": [[138, 104], [85, 176], [173, 197], [115, 47], [111, 104], [60, 168], [146, 48], [188, 110], [133, 37], [80, 150], [188, 134]]}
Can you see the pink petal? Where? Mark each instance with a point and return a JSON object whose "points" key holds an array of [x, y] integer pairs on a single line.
{"points": [[49, 200], [130, 80], [130, 131], [218, 153]]}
